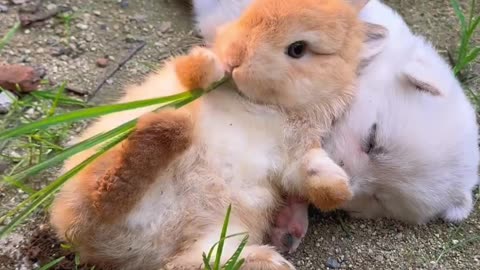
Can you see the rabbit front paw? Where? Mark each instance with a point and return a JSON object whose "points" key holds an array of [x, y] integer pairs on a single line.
{"points": [[199, 69], [327, 184]]}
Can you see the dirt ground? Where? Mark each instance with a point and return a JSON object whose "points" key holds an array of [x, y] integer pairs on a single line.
{"points": [[111, 29]]}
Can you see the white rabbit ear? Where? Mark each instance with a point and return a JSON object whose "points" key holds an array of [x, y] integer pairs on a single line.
{"points": [[375, 40], [422, 78], [358, 4]]}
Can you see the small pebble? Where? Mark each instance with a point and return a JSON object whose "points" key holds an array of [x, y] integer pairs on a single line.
{"points": [[18, 2], [140, 18], [64, 57], [102, 62], [51, 6], [59, 51], [6, 101], [89, 37], [333, 263], [82, 26], [123, 3], [165, 27], [3, 9]]}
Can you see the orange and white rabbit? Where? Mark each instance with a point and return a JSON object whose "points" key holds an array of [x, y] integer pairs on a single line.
{"points": [[158, 200]]}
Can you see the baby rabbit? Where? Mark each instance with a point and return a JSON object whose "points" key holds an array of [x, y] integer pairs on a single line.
{"points": [[409, 142], [158, 200], [410, 139]]}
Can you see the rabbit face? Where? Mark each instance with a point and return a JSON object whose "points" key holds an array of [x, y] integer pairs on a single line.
{"points": [[292, 53]]}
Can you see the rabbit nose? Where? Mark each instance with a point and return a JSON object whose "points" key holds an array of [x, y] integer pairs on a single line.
{"points": [[229, 67]]}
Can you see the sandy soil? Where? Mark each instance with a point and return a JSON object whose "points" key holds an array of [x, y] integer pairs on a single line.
{"points": [[111, 29]]}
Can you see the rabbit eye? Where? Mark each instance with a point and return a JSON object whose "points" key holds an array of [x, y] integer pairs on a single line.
{"points": [[297, 49]]}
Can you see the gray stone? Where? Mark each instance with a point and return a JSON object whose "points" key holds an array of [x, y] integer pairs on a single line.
{"points": [[3, 9], [82, 26], [6, 101], [51, 6], [18, 2], [333, 263], [166, 27], [123, 3]]}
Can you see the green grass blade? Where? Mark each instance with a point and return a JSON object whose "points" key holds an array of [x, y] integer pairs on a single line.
{"points": [[206, 262], [232, 262], [52, 263], [95, 112], [458, 245], [239, 264], [474, 25], [86, 144], [218, 256], [13, 182], [460, 15], [61, 100], [28, 206], [43, 195], [472, 12], [210, 252], [54, 106], [473, 55], [75, 149], [6, 39]]}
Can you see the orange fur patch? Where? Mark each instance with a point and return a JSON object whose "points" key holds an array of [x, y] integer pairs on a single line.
{"points": [[157, 141], [195, 70], [328, 194]]}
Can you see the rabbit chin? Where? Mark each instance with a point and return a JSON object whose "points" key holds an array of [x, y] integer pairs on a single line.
{"points": [[425, 160]]}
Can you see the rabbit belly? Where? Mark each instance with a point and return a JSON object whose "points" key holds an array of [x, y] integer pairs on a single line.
{"points": [[244, 144]]}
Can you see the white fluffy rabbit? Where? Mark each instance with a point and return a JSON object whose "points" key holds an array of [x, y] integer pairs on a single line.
{"points": [[409, 142]]}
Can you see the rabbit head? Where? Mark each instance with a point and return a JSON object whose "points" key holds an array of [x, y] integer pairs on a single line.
{"points": [[295, 53]]}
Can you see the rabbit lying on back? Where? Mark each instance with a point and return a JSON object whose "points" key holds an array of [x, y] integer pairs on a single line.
{"points": [[409, 142], [159, 199]]}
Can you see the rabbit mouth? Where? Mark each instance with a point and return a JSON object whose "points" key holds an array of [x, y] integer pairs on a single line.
{"points": [[237, 90]]}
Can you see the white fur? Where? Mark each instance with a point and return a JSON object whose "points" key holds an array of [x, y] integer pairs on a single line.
{"points": [[210, 14], [429, 164]]}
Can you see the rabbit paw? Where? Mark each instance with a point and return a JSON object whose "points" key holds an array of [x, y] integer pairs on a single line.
{"points": [[265, 258], [327, 184], [291, 225], [199, 68]]}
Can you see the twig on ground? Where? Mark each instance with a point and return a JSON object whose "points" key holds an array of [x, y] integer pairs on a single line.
{"points": [[117, 67], [28, 19]]}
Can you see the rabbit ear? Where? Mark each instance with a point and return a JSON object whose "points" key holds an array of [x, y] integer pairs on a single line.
{"points": [[375, 40], [358, 4], [424, 78]]}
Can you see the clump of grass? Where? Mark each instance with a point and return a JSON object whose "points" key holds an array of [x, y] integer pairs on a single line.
{"points": [[30, 149], [10, 34], [106, 140], [66, 18], [235, 262], [467, 52]]}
